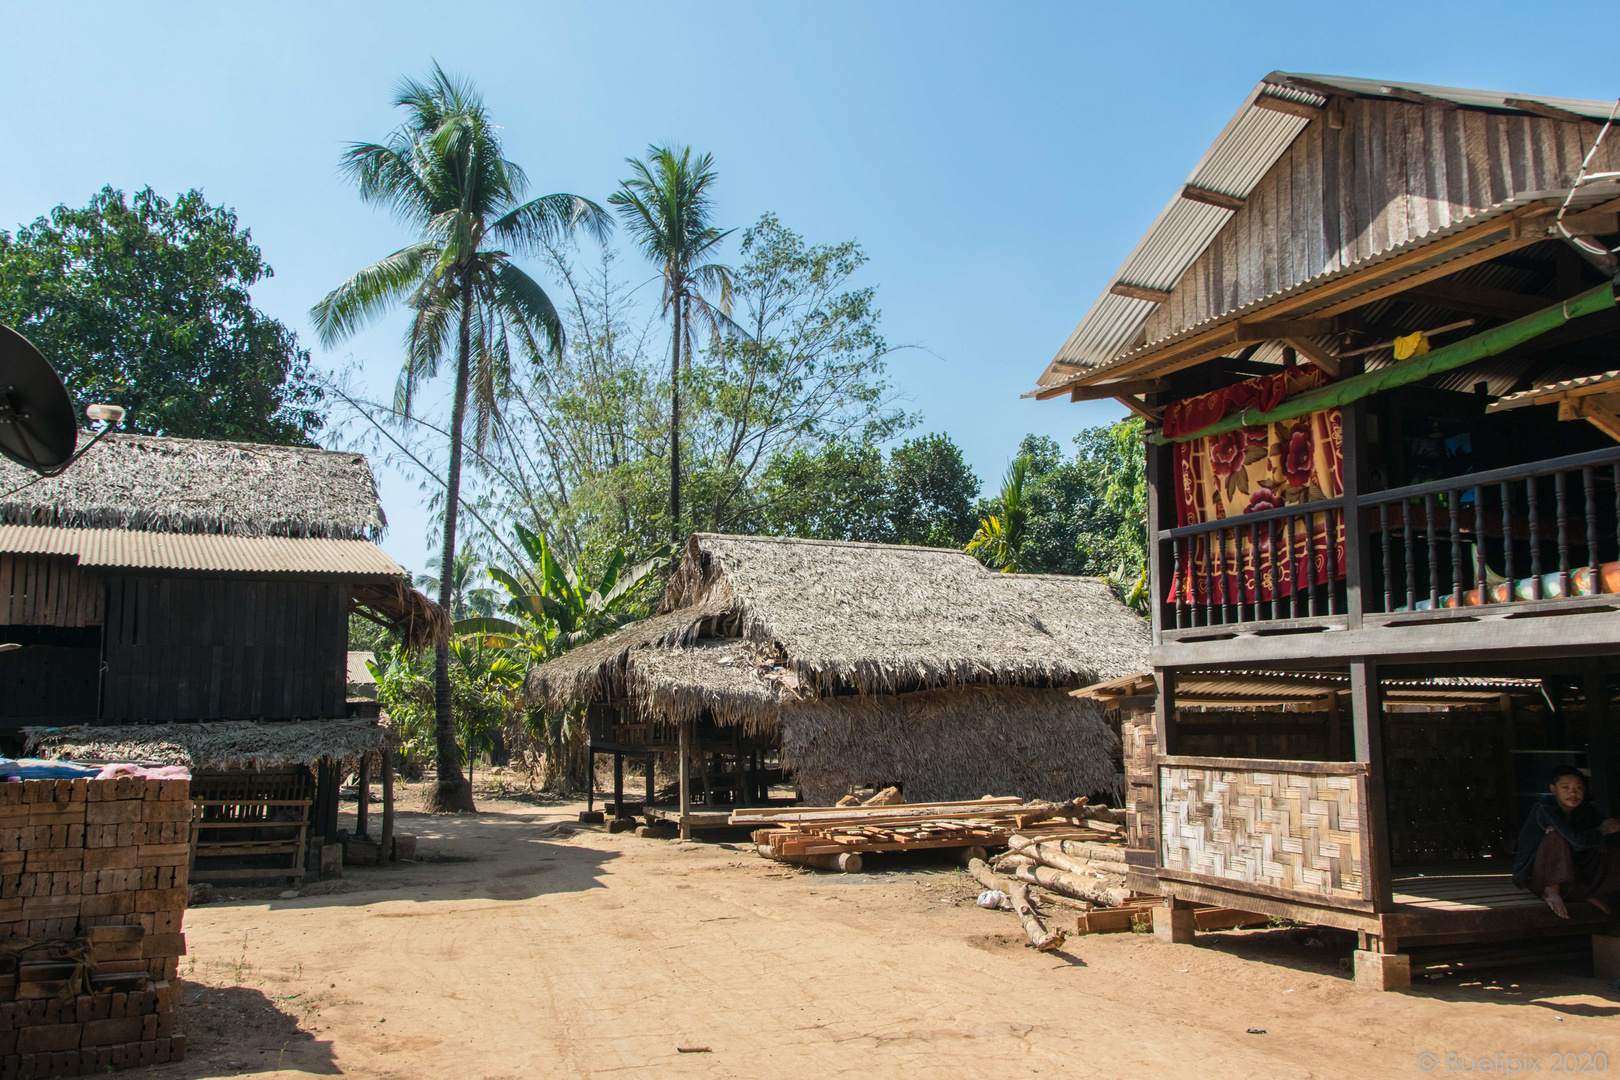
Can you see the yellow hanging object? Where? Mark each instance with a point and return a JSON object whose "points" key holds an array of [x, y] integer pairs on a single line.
{"points": [[1411, 345]]}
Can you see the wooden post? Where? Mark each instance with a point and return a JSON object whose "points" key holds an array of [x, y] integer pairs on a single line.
{"points": [[1600, 741], [1159, 484], [326, 799], [1335, 728], [618, 784], [1358, 577], [386, 848], [362, 798], [1367, 723], [741, 793], [652, 761], [686, 779], [1164, 726]]}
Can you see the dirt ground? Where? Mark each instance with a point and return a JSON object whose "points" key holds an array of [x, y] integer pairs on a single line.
{"points": [[521, 945]]}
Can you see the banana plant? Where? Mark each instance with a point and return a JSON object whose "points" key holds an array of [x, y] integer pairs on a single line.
{"points": [[554, 610]]}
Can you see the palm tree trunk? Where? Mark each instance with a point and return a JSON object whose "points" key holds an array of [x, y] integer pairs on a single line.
{"points": [[675, 428], [453, 794]]}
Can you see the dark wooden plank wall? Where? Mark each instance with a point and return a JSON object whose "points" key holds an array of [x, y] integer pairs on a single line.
{"points": [[48, 684], [226, 649], [48, 590], [1395, 172]]}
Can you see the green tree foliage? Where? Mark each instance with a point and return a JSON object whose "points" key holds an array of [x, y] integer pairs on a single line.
{"points": [[467, 597], [145, 303], [443, 172], [844, 490], [667, 209], [1000, 538], [486, 687], [1085, 514]]}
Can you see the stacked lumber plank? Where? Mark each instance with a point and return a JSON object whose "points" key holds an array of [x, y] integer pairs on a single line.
{"points": [[818, 835], [93, 877]]}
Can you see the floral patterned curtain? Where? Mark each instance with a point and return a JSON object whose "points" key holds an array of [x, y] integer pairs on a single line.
{"points": [[1290, 463]]}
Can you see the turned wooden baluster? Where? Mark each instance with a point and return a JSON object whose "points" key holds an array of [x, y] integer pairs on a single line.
{"points": [[1452, 499], [1535, 538], [1330, 556], [1411, 561], [1480, 569], [1389, 571], [1271, 563], [1589, 482], [1434, 550], [1561, 493], [1507, 539], [1177, 581], [1254, 563]]}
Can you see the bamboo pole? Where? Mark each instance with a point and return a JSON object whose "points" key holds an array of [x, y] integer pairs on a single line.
{"points": [[1445, 358], [686, 779]]}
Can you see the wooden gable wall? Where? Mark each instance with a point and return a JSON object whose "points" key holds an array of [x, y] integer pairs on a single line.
{"points": [[1394, 172]]}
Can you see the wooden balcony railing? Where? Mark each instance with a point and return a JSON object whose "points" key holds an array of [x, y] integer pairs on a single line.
{"points": [[1539, 531]]}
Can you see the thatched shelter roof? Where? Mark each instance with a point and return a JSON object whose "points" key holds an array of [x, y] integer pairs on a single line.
{"points": [[225, 744], [157, 484], [750, 624]]}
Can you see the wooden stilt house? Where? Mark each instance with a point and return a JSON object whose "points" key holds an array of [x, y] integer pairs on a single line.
{"points": [[1373, 336], [175, 581], [838, 665]]}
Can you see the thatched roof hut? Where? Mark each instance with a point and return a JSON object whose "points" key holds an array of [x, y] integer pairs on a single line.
{"points": [[873, 662], [152, 484]]}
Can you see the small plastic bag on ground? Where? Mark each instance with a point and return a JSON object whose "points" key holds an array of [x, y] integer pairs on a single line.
{"points": [[994, 900]]}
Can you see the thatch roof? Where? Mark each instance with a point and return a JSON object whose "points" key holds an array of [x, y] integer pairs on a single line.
{"points": [[225, 744], [819, 617], [201, 486]]}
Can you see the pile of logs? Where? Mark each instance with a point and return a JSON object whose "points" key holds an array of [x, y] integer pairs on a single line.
{"points": [[834, 837]]}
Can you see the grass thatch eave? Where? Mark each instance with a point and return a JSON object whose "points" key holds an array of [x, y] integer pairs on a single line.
{"points": [[154, 484], [226, 744], [886, 618], [419, 622], [595, 671]]}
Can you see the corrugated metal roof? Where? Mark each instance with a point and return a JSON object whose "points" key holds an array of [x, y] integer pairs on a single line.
{"points": [[122, 549], [1250, 144], [1531, 397]]}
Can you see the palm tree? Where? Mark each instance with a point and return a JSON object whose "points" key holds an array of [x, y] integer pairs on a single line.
{"points": [[442, 172], [666, 208], [1000, 539]]}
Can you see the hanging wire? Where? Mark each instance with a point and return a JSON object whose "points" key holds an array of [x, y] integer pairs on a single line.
{"points": [[1582, 177]]}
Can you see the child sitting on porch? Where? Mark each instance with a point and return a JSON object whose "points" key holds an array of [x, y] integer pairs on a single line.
{"points": [[1568, 851]]}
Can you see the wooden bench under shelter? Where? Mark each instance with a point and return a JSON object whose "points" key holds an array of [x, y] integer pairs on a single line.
{"points": [[264, 795]]}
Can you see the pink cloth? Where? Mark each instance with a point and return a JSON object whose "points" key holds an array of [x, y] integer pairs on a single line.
{"points": [[162, 772]]}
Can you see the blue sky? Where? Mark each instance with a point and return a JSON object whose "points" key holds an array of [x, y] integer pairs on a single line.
{"points": [[996, 161]]}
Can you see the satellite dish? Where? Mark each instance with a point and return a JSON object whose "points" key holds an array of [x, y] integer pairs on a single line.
{"points": [[37, 427]]}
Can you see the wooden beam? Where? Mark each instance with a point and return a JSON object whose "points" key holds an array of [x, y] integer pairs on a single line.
{"points": [[1602, 411], [1278, 329], [1114, 389], [1139, 407], [1211, 197], [1433, 273], [1315, 354], [1139, 292], [1541, 108], [1592, 223], [1289, 108], [1476, 299]]}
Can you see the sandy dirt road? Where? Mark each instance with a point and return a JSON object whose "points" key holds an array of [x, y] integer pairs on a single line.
{"points": [[510, 952]]}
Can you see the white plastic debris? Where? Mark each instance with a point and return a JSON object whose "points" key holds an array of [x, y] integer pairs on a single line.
{"points": [[995, 900]]}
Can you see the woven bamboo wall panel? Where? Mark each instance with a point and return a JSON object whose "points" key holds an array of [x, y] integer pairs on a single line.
{"points": [[1295, 832]]}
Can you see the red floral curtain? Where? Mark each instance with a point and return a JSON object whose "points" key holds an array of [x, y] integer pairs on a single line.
{"points": [[1289, 463]]}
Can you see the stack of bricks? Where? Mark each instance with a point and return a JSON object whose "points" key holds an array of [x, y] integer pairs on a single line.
{"points": [[93, 877]]}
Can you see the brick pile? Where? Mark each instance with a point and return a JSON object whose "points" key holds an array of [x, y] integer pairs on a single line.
{"points": [[93, 877]]}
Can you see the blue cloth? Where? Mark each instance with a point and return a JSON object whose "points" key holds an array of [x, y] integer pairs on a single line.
{"points": [[1581, 827], [40, 769]]}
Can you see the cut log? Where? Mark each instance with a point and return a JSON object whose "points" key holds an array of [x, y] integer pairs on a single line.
{"points": [[848, 800], [848, 862], [968, 854], [889, 796], [1039, 936], [1072, 885], [1101, 813], [1054, 856]]}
